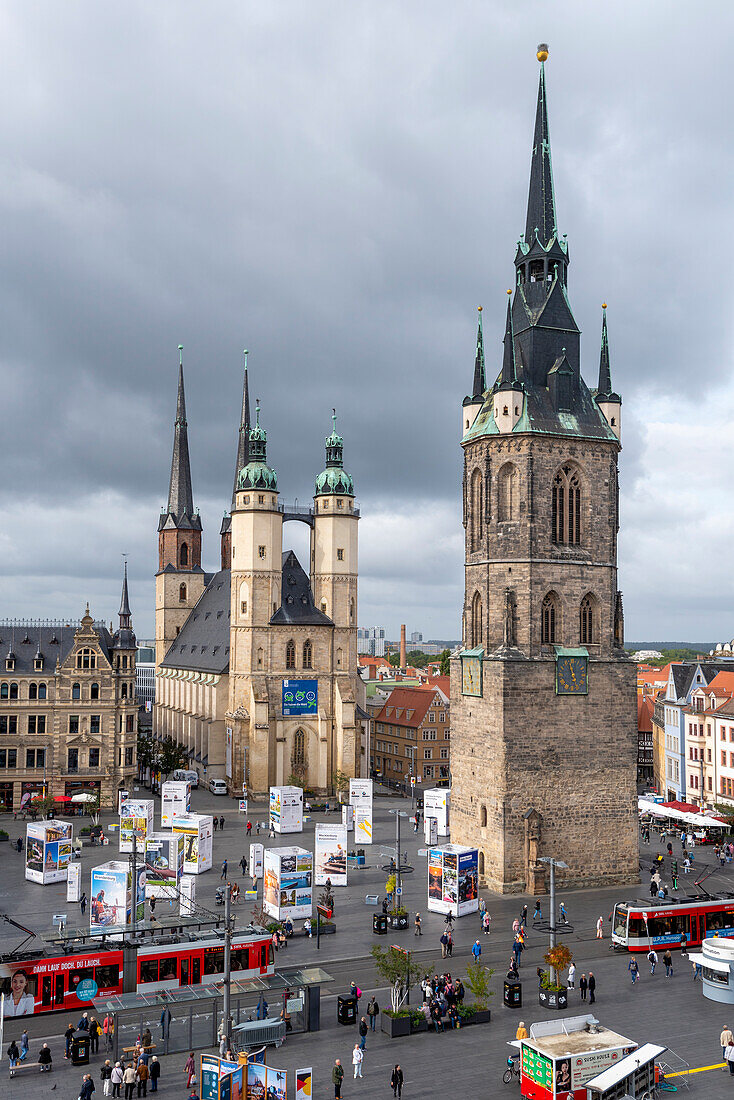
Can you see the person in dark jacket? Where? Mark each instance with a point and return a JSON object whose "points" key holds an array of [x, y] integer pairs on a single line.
{"points": [[396, 1080], [44, 1058], [143, 1075], [105, 1076], [83, 903], [337, 1076], [592, 988], [583, 986], [373, 1011], [154, 1069], [85, 1092], [83, 1024], [68, 1036], [94, 1034], [13, 1053], [363, 1029]]}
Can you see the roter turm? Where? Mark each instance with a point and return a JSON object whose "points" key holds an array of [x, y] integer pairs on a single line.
{"points": [[544, 736]]}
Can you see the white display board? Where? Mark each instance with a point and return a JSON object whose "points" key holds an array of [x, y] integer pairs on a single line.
{"points": [[175, 802], [187, 895], [360, 799], [430, 830], [286, 809], [122, 797], [74, 882], [111, 895], [437, 803], [453, 880], [288, 883], [163, 865], [348, 817], [256, 859], [47, 851], [136, 819], [198, 832], [330, 855]]}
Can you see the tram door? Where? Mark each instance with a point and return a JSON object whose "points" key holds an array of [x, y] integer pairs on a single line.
{"points": [[195, 971], [184, 973]]}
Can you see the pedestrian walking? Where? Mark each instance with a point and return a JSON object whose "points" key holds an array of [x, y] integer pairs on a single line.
{"points": [[562, 913], [363, 1029], [94, 1030], [68, 1035], [337, 1076], [249, 828], [592, 987], [155, 1071], [633, 969], [243, 865], [357, 1059], [83, 1024], [13, 1053], [85, 1092], [24, 1044], [221, 823], [216, 823], [83, 904], [668, 961], [108, 1030], [537, 912], [224, 870], [518, 947], [116, 1078], [142, 1073], [729, 1058], [652, 958], [583, 986], [486, 922], [443, 941], [572, 976], [257, 828], [396, 1081], [600, 928], [272, 830], [129, 1078], [524, 916], [106, 1078], [190, 1069], [373, 1011], [476, 950], [696, 970], [725, 1039], [449, 944], [417, 925]]}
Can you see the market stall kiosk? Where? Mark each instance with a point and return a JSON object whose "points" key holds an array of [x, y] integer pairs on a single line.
{"points": [[453, 880], [560, 1057], [198, 832], [288, 883], [47, 851], [286, 809], [633, 1076]]}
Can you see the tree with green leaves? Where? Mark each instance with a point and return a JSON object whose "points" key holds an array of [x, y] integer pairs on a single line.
{"points": [[340, 782], [444, 659], [169, 756], [477, 978], [394, 660], [394, 965]]}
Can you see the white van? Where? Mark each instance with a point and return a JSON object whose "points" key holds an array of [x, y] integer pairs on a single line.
{"points": [[181, 776], [217, 786]]}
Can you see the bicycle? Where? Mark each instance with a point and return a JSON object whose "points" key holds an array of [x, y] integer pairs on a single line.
{"points": [[512, 1071]]}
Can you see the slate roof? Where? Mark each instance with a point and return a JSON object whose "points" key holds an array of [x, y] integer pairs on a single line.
{"points": [[55, 644], [682, 678], [203, 644], [297, 606]]}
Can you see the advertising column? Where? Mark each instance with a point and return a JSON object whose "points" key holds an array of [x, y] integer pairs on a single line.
{"points": [[360, 799]]}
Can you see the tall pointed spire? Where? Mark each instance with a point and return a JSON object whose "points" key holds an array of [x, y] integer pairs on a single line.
{"points": [[541, 213], [508, 377], [125, 613], [180, 495], [243, 443], [480, 378], [604, 389]]}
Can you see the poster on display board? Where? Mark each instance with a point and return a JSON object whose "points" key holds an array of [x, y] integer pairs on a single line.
{"points": [[265, 1083], [300, 697], [256, 860], [197, 831], [175, 801], [74, 882], [453, 880], [286, 809], [187, 895], [228, 754], [122, 797], [136, 819], [111, 896], [430, 830], [288, 883], [348, 818], [362, 826], [330, 855], [360, 799], [304, 1084], [48, 851], [437, 803], [163, 864]]}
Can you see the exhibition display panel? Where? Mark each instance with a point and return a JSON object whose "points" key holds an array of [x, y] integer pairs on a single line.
{"points": [[111, 894], [453, 880], [164, 861], [175, 801], [360, 799], [437, 804], [286, 809], [288, 883], [197, 831], [47, 851], [136, 819], [330, 855]]}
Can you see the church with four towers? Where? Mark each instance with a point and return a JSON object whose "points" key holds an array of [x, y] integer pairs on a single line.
{"points": [[256, 664]]}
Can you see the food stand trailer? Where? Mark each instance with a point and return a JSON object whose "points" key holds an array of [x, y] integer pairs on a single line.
{"points": [[560, 1057], [633, 1076]]}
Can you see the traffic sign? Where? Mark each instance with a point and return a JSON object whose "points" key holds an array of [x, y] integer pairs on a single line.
{"points": [[399, 891], [412, 781]]}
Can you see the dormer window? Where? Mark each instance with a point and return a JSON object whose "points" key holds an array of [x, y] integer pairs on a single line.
{"points": [[10, 664], [38, 664]]}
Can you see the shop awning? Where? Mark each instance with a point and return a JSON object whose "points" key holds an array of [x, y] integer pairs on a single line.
{"points": [[612, 1076]]}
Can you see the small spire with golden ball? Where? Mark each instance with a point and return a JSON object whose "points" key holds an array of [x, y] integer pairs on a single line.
{"points": [[510, 291], [479, 308], [542, 52], [604, 305]]}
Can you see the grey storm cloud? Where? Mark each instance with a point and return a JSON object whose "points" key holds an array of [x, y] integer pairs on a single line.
{"points": [[337, 187]]}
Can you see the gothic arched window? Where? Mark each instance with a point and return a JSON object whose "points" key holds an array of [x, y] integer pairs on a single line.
{"points": [[299, 751], [475, 510], [184, 554], [307, 654], [290, 654], [3, 691], [182, 593], [508, 483], [588, 632], [549, 620], [476, 621], [94, 691], [13, 691], [566, 507]]}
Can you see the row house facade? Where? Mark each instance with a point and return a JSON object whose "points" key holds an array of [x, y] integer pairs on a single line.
{"points": [[412, 737], [709, 742]]}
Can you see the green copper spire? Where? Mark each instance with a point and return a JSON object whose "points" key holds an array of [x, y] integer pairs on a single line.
{"points": [[334, 480], [257, 474]]}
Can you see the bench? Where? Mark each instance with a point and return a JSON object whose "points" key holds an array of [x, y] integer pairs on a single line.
{"points": [[20, 1066], [132, 1050]]}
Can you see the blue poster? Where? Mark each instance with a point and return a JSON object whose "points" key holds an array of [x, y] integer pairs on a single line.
{"points": [[300, 697]]}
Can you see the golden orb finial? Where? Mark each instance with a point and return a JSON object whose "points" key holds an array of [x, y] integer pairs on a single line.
{"points": [[479, 308], [542, 52], [510, 291], [604, 305]]}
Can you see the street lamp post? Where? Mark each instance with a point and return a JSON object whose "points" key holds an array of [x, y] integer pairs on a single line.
{"points": [[398, 877], [553, 863]]}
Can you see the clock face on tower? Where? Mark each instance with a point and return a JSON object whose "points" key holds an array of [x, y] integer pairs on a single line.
{"points": [[572, 675], [471, 675]]}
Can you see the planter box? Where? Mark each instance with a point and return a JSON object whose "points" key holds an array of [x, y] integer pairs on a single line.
{"points": [[553, 999], [397, 923], [394, 1026], [422, 1025], [481, 1016]]}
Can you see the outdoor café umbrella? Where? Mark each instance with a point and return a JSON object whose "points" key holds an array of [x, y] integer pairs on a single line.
{"points": [[84, 796]]}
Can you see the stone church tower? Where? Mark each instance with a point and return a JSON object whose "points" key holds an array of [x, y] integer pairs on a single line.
{"points": [[543, 743]]}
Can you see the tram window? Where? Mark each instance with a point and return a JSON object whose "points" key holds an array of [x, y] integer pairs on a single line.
{"points": [[719, 976], [265, 954], [214, 960], [83, 974], [620, 921], [672, 924], [106, 977], [148, 970], [46, 987], [239, 959], [59, 996], [168, 969], [715, 922]]}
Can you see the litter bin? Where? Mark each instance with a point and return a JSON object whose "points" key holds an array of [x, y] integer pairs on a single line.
{"points": [[80, 1045], [512, 996], [346, 1008], [360, 857], [379, 924]]}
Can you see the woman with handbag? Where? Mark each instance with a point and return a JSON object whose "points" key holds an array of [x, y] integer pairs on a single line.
{"points": [[190, 1070]]}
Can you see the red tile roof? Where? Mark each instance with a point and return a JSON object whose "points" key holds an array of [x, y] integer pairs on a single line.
{"points": [[722, 684], [365, 659], [645, 708], [403, 700]]}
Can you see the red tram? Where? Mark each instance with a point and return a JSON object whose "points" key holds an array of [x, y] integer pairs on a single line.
{"points": [[35, 984]]}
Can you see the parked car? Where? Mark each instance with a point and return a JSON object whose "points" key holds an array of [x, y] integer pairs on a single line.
{"points": [[217, 786], [182, 776]]}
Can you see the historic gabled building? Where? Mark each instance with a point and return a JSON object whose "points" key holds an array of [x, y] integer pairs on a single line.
{"points": [[256, 665], [68, 710], [544, 742]]}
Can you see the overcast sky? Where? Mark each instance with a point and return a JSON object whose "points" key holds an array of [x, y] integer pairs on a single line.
{"points": [[337, 187]]}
